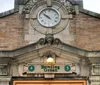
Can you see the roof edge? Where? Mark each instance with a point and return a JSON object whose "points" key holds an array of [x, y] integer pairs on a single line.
{"points": [[22, 2], [11, 11], [82, 10], [7, 13]]}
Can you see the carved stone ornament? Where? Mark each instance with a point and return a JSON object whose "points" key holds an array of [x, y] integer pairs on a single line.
{"points": [[34, 10], [71, 10], [3, 70], [28, 6], [49, 54], [30, 3], [49, 39], [96, 69]]}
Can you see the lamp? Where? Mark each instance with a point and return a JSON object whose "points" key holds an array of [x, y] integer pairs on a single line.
{"points": [[50, 60]]}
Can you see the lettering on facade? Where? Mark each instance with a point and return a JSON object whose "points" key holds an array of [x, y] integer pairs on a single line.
{"points": [[50, 68]]}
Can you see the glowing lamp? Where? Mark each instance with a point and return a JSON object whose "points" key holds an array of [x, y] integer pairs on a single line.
{"points": [[50, 60]]}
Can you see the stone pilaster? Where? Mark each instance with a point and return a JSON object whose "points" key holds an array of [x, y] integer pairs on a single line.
{"points": [[4, 80], [95, 77]]}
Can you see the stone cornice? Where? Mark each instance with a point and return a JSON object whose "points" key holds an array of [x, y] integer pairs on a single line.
{"points": [[36, 46], [17, 52], [10, 12], [5, 78], [7, 13], [82, 10]]}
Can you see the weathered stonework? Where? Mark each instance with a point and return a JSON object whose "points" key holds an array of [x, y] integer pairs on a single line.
{"points": [[77, 43], [84, 30]]}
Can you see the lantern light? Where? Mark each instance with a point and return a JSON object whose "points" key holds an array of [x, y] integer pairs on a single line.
{"points": [[50, 60]]}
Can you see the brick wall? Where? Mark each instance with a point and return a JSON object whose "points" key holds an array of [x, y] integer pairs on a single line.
{"points": [[86, 30], [11, 32]]}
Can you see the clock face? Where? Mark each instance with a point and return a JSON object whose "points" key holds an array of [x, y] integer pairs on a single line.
{"points": [[49, 17]]}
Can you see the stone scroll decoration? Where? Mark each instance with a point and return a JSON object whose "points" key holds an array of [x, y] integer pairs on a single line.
{"points": [[49, 40]]}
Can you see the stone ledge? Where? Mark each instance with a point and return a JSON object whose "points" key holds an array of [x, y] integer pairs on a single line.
{"points": [[5, 78], [95, 78]]}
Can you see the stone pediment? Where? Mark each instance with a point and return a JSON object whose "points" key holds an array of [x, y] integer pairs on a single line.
{"points": [[50, 45], [35, 55], [38, 53], [54, 45], [64, 56], [38, 58]]}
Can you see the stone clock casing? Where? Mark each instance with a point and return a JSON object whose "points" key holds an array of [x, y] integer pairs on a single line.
{"points": [[49, 19]]}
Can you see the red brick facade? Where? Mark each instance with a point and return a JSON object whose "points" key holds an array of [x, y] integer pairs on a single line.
{"points": [[86, 30], [11, 32]]}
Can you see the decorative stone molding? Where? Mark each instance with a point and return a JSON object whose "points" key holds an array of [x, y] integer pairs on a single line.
{"points": [[9, 12], [4, 80], [44, 43], [96, 69], [95, 74], [95, 80], [3, 71], [27, 8], [49, 39]]}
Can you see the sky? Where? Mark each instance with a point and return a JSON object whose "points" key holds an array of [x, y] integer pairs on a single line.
{"points": [[6, 5], [92, 5]]}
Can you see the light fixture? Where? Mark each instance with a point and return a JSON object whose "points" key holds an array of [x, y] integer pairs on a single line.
{"points": [[50, 60]]}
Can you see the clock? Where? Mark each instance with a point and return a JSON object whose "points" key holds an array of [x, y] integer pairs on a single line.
{"points": [[49, 17]]}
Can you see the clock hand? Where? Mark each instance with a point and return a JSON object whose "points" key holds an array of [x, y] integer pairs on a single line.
{"points": [[47, 16]]}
